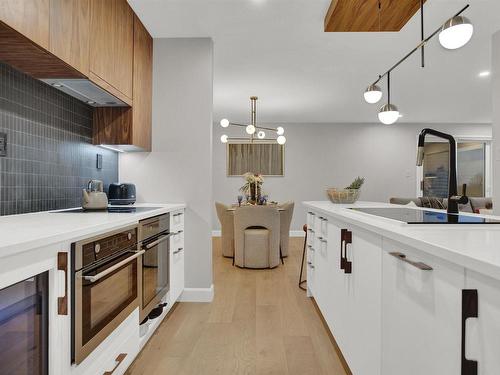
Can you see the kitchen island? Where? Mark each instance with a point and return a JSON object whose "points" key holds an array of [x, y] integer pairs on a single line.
{"points": [[37, 254], [406, 298]]}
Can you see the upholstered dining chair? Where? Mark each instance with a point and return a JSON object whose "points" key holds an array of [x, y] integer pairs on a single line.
{"points": [[286, 214], [227, 229], [256, 237]]}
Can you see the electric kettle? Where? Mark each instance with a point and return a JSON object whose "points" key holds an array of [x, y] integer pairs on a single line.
{"points": [[94, 198]]}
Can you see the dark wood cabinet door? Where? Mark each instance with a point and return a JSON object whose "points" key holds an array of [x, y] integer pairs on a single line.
{"points": [[112, 46], [69, 32], [143, 86]]}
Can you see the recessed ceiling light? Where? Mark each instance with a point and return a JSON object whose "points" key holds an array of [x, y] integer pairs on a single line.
{"points": [[486, 73]]}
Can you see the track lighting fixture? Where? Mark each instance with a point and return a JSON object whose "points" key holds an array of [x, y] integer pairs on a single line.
{"points": [[453, 34]]}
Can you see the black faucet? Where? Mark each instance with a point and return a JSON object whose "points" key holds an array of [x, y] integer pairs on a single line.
{"points": [[453, 198]]}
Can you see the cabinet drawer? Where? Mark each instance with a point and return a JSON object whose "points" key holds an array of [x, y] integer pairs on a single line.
{"points": [[177, 220], [177, 240], [421, 312]]}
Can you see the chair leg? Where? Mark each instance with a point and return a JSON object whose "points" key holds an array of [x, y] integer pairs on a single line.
{"points": [[281, 256]]}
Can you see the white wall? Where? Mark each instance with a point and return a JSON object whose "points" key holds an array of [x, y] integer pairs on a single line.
{"points": [[318, 156], [179, 169], [495, 96]]}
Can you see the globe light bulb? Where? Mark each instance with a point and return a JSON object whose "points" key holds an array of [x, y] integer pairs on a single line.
{"points": [[280, 130], [223, 138], [261, 135], [281, 140], [372, 94], [456, 32], [388, 114], [224, 122], [250, 129]]}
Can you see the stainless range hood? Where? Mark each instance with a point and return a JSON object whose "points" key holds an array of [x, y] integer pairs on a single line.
{"points": [[86, 91]]}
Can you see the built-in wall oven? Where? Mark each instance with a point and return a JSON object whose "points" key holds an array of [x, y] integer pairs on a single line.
{"points": [[154, 263], [104, 287]]}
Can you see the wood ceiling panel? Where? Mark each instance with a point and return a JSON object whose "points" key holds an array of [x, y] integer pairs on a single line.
{"points": [[364, 15]]}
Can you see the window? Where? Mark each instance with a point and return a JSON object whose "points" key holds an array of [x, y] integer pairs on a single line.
{"points": [[472, 168]]}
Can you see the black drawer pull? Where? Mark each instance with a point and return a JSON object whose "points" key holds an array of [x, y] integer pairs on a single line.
{"points": [[420, 265], [469, 310], [345, 239]]}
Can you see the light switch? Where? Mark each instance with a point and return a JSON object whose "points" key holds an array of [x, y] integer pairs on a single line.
{"points": [[3, 144], [99, 161]]}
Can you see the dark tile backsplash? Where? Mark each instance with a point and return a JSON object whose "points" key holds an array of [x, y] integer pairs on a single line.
{"points": [[50, 156]]}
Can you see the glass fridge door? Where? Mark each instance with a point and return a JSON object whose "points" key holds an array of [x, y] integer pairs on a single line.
{"points": [[24, 327]]}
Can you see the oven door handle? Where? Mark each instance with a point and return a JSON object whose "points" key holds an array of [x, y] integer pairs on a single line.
{"points": [[113, 268], [156, 242]]}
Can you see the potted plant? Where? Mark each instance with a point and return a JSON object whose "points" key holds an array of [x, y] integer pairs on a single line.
{"points": [[252, 187]]}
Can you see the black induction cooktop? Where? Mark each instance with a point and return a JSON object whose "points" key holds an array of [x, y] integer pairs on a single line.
{"points": [[112, 209], [414, 216]]}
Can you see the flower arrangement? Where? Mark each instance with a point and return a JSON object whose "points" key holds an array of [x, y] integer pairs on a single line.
{"points": [[252, 186]]}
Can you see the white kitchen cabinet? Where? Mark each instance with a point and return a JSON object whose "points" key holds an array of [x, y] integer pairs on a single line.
{"points": [[349, 302], [421, 313], [176, 255], [363, 303], [483, 333]]}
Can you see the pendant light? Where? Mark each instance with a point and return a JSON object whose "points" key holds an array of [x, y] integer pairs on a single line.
{"points": [[373, 94], [253, 129], [456, 32], [388, 113]]}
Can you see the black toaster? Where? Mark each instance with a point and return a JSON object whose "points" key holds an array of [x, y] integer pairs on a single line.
{"points": [[121, 193]]}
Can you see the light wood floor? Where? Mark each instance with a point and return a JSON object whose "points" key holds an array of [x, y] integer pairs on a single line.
{"points": [[260, 322]]}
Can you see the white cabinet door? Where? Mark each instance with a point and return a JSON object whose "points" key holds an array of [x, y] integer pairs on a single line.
{"points": [[176, 264], [483, 334], [363, 304], [421, 313], [336, 313]]}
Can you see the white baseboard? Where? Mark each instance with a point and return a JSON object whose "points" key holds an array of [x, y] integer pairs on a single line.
{"points": [[293, 233], [197, 294]]}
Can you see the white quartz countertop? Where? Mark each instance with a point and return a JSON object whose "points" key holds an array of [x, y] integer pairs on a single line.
{"points": [[473, 246], [19, 233]]}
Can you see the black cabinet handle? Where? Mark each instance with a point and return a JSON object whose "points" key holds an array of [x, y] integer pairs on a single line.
{"points": [[62, 265], [420, 265], [469, 310], [345, 239]]}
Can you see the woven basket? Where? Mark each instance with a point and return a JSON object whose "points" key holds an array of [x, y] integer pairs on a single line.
{"points": [[344, 196]]}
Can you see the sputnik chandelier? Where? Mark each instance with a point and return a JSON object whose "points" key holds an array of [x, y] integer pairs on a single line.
{"points": [[253, 128], [453, 34]]}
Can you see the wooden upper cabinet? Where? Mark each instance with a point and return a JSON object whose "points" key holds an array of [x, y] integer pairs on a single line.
{"points": [[130, 128], [143, 86], [111, 46], [69, 32], [29, 17]]}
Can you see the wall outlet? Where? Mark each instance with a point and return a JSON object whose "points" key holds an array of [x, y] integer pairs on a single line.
{"points": [[98, 163], [3, 144]]}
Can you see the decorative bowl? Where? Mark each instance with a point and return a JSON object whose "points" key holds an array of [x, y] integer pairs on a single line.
{"points": [[345, 196]]}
